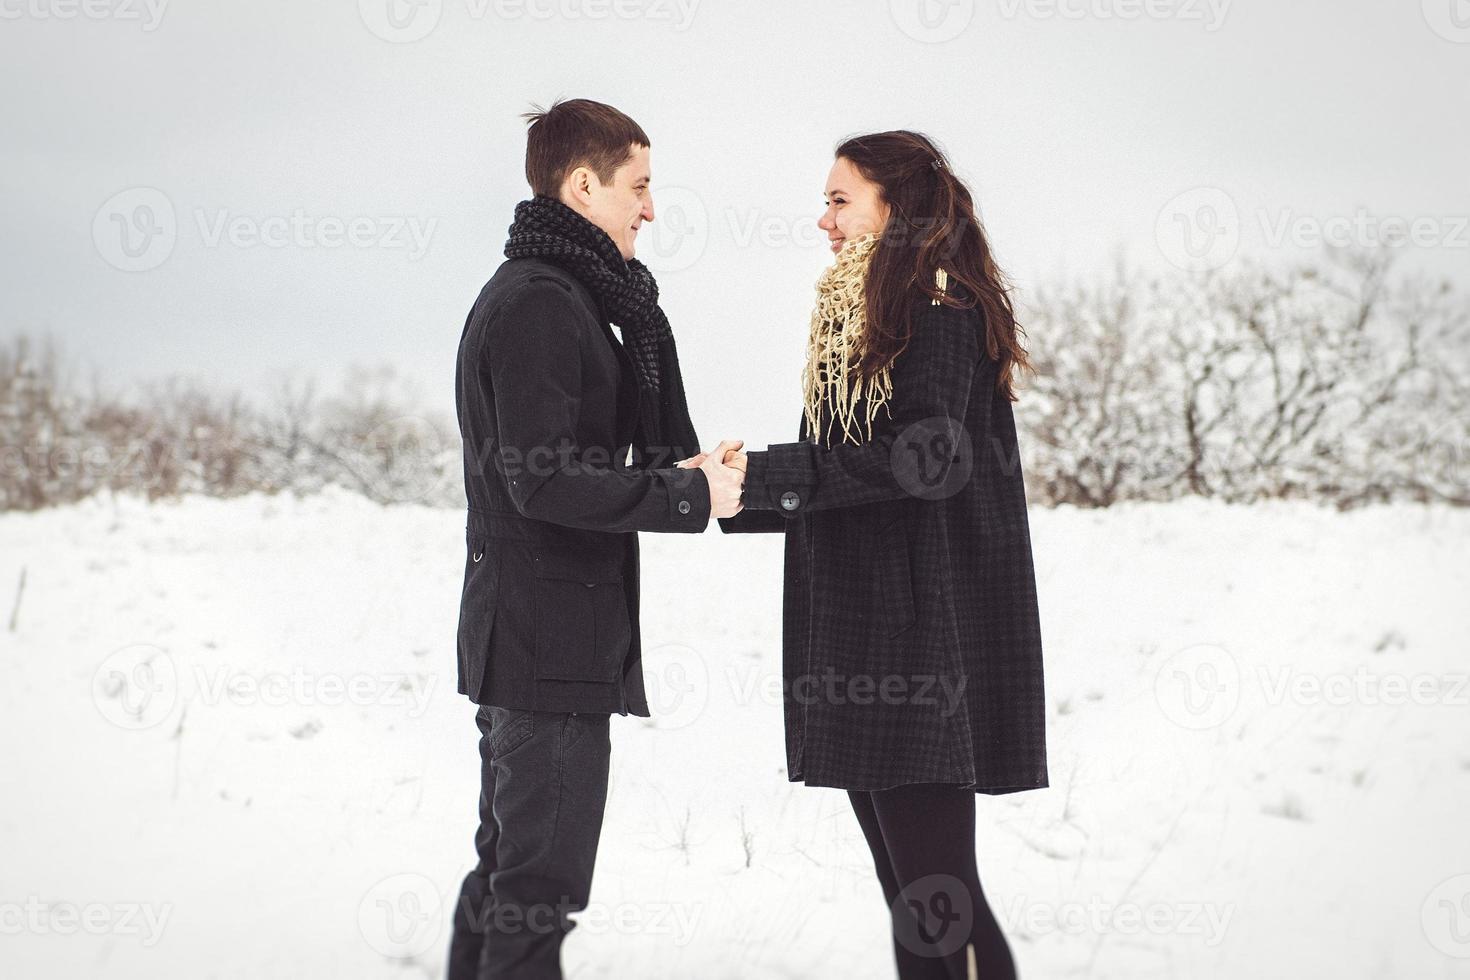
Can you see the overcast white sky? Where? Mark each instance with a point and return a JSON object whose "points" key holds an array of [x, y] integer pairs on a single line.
{"points": [[1182, 131]]}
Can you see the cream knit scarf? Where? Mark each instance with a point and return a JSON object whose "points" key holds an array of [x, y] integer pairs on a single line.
{"points": [[831, 380]]}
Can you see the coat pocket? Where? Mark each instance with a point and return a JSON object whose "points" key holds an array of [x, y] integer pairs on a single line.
{"points": [[895, 578], [583, 631]]}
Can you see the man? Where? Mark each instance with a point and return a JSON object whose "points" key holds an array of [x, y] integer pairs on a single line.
{"points": [[570, 439]]}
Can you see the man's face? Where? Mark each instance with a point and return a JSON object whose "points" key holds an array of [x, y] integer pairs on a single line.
{"points": [[620, 206]]}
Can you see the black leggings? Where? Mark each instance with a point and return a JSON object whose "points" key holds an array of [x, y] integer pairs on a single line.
{"points": [[923, 841]]}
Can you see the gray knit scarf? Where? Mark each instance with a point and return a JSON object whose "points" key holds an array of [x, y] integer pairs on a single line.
{"points": [[546, 228]]}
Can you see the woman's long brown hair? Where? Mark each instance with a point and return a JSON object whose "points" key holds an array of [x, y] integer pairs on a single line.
{"points": [[931, 225]]}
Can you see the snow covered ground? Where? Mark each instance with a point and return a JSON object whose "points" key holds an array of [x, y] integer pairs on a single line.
{"points": [[233, 749]]}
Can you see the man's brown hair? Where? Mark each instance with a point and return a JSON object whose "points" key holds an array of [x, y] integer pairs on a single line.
{"points": [[577, 133]]}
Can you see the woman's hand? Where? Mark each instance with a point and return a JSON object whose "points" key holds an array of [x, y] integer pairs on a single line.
{"points": [[734, 458]]}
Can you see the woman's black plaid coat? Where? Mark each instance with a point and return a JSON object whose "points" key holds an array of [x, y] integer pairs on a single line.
{"points": [[912, 640]]}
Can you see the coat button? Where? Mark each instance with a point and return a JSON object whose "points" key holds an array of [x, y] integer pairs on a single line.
{"points": [[789, 500], [683, 506]]}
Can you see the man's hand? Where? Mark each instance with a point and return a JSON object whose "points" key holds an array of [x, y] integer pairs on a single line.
{"points": [[734, 458], [725, 482]]}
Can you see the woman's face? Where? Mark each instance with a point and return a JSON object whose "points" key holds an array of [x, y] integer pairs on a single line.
{"points": [[855, 205]]}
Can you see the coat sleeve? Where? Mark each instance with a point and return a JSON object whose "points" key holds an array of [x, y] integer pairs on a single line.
{"points": [[533, 355], [759, 521], [915, 443]]}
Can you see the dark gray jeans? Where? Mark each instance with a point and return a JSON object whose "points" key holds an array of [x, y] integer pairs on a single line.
{"points": [[543, 786]]}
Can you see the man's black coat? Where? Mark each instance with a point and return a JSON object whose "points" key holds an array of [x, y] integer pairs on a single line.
{"points": [[548, 414]]}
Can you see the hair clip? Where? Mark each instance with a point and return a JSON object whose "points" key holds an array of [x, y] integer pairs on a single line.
{"points": [[941, 282], [937, 164]]}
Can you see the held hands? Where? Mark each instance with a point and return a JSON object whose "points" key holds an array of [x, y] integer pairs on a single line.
{"points": [[724, 468], [734, 458]]}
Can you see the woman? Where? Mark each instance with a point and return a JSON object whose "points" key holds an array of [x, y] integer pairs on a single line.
{"points": [[912, 646]]}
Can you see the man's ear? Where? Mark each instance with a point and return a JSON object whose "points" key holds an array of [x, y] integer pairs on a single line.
{"points": [[577, 189]]}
